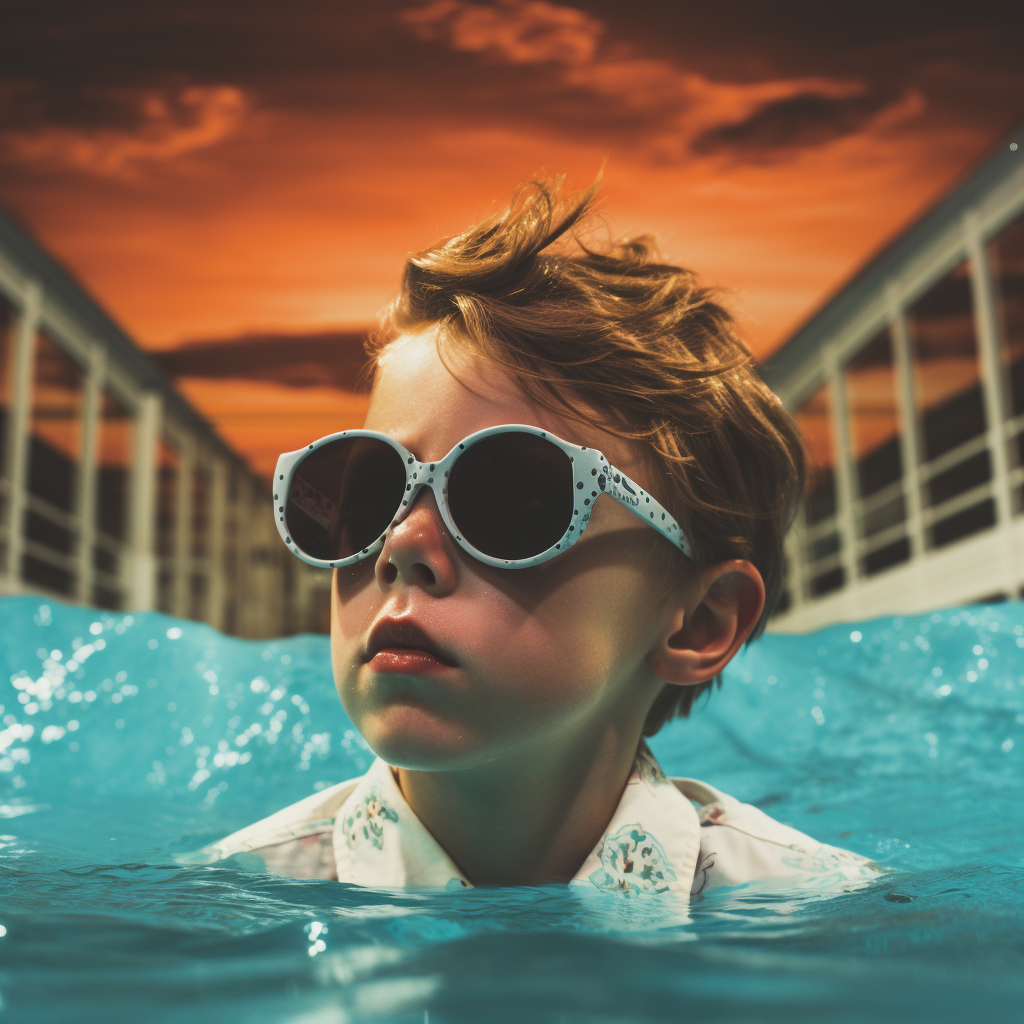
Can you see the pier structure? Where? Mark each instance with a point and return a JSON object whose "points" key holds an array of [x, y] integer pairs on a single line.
{"points": [[908, 386], [114, 491]]}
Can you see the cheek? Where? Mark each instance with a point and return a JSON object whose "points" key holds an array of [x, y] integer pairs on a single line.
{"points": [[355, 603], [563, 650]]}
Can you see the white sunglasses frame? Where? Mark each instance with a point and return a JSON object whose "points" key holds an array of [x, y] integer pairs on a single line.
{"points": [[592, 473]]}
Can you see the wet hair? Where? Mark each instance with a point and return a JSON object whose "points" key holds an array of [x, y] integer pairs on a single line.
{"points": [[583, 326]]}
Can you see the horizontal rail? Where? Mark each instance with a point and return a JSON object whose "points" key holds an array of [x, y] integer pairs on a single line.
{"points": [[58, 559], [809, 534], [961, 453], [822, 565], [868, 545], [60, 516], [879, 499], [951, 506], [110, 544]]}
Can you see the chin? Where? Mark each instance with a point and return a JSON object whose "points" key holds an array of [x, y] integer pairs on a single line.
{"points": [[409, 736]]}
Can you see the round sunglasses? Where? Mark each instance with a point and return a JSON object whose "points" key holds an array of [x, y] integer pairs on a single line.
{"points": [[511, 495]]}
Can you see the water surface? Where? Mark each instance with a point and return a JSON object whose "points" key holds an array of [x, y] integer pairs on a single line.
{"points": [[129, 740]]}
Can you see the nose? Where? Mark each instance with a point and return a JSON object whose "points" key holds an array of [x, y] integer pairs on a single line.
{"points": [[419, 551]]}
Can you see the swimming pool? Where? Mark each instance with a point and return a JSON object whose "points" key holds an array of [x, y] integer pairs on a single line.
{"points": [[127, 741]]}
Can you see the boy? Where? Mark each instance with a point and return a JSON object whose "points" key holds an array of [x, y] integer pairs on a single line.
{"points": [[501, 637]]}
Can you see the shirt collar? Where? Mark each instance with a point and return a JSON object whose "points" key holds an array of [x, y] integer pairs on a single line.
{"points": [[650, 845]]}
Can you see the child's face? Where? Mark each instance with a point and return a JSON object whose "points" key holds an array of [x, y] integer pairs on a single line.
{"points": [[541, 654]]}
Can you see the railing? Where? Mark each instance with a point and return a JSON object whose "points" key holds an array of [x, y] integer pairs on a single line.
{"points": [[958, 503], [868, 541], [882, 538], [72, 561], [948, 460], [54, 513]]}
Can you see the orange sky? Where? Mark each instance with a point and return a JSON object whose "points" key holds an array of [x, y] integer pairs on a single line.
{"points": [[229, 174]]}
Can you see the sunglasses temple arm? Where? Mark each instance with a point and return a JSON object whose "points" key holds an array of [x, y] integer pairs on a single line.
{"points": [[629, 494]]}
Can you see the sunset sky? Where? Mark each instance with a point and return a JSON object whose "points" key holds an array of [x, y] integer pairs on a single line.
{"points": [[239, 183]]}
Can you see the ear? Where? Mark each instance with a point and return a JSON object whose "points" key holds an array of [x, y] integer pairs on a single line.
{"points": [[707, 622]]}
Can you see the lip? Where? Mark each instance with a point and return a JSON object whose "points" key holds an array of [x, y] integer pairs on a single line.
{"points": [[399, 645]]}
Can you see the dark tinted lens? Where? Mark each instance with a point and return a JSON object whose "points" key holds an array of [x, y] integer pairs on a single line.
{"points": [[343, 496], [511, 495]]}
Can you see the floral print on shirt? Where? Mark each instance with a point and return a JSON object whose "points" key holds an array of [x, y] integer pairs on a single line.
{"points": [[633, 861], [830, 863], [366, 824]]}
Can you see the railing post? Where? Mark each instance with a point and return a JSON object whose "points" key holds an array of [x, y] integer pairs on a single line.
{"points": [[846, 486], [994, 383], [243, 553], [995, 386], [142, 564], [18, 430], [910, 441], [217, 513], [182, 567], [85, 492]]}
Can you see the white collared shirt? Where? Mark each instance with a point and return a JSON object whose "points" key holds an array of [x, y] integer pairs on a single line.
{"points": [[666, 834]]}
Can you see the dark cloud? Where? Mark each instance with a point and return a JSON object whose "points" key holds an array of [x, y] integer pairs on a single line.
{"points": [[97, 65], [809, 119], [325, 359]]}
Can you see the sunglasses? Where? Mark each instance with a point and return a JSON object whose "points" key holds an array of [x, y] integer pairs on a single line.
{"points": [[511, 495]]}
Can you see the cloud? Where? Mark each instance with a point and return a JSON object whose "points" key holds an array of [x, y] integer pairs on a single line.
{"points": [[164, 124], [525, 32], [309, 360], [682, 111], [796, 122]]}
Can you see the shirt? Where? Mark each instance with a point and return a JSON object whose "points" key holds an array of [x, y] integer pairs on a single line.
{"points": [[666, 834]]}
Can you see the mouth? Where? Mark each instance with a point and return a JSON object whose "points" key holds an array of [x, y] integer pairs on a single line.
{"points": [[402, 645]]}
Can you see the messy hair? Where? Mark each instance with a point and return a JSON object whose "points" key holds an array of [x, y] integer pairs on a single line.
{"points": [[581, 326]]}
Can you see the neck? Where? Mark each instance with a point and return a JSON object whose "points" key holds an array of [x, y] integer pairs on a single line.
{"points": [[530, 817]]}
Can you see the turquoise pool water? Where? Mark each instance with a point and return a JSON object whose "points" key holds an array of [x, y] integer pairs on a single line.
{"points": [[126, 741]]}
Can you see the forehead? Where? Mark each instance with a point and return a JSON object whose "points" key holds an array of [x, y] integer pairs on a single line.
{"points": [[429, 406]]}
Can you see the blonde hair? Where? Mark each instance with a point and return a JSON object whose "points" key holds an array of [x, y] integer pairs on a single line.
{"points": [[617, 329]]}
